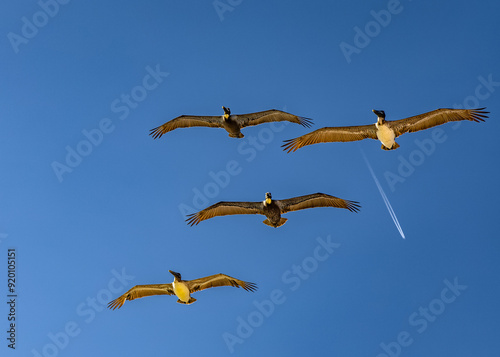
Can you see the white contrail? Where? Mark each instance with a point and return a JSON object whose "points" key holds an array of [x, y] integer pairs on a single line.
{"points": [[384, 197]]}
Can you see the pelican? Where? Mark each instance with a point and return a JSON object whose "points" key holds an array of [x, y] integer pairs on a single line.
{"points": [[272, 209], [385, 131], [181, 288], [232, 123]]}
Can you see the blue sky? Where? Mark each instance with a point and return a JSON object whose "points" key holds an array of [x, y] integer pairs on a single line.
{"points": [[92, 205]]}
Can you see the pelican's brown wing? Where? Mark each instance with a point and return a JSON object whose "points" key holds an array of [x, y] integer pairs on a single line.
{"points": [[331, 134], [139, 291], [219, 280], [316, 200], [186, 121], [224, 209], [434, 118], [268, 116]]}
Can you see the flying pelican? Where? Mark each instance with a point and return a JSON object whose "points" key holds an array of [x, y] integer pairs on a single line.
{"points": [[272, 209], [383, 130], [232, 123], [181, 288]]}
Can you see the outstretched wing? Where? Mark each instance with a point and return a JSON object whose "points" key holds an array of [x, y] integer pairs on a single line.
{"points": [[434, 118], [332, 134], [268, 116], [139, 291], [219, 280], [224, 209], [316, 200], [186, 121]]}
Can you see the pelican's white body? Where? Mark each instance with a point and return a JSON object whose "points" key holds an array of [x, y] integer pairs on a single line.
{"points": [[181, 291], [385, 135]]}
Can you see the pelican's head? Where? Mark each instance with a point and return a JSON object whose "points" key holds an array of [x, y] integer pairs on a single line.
{"points": [[177, 276], [268, 197], [227, 112], [380, 116]]}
